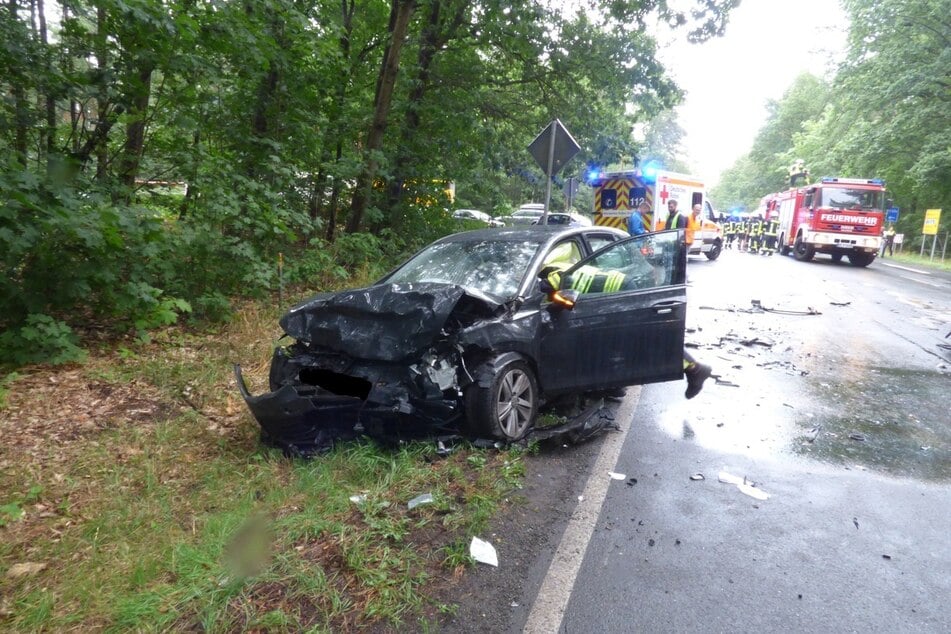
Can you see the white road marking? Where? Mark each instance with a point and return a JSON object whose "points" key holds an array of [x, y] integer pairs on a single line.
{"points": [[904, 268], [552, 600]]}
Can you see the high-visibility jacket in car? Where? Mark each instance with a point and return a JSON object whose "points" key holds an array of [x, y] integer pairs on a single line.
{"points": [[589, 279]]}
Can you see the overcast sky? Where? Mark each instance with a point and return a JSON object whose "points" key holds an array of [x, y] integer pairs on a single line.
{"points": [[728, 80]]}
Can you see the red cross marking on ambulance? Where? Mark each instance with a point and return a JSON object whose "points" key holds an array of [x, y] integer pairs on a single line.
{"points": [[664, 195]]}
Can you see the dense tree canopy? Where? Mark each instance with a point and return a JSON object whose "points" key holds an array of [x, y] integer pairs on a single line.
{"points": [[885, 114], [158, 155]]}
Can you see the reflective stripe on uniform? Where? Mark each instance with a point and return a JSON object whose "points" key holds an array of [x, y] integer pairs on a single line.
{"points": [[582, 279], [612, 283]]}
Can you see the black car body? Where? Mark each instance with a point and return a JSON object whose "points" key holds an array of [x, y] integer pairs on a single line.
{"points": [[464, 337]]}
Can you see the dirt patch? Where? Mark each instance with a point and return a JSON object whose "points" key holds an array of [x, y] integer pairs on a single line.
{"points": [[55, 407]]}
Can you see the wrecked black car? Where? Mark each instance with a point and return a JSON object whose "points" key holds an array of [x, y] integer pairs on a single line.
{"points": [[466, 336]]}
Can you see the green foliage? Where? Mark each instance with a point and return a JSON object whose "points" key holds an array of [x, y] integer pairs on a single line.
{"points": [[159, 157], [5, 383], [41, 339]]}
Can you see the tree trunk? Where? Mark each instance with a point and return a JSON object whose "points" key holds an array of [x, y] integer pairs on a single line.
{"points": [[20, 111], [48, 134], [334, 200], [400, 13], [101, 131], [435, 35], [135, 129]]}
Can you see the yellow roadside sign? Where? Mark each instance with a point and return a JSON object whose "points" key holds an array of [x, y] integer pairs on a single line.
{"points": [[932, 218]]}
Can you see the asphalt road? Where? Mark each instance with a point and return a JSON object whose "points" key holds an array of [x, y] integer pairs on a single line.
{"points": [[835, 401]]}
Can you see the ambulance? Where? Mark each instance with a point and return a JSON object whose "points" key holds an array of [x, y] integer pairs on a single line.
{"points": [[618, 194]]}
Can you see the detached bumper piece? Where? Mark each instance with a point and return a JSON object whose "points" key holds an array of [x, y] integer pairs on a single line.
{"points": [[301, 421]]}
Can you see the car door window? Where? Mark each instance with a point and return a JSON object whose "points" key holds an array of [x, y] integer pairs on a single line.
{"points": [[598, 241], [564, 253], [643, 262]]}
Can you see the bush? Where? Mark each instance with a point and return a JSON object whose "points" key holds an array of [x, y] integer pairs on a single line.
{"points": [[41, 339]]}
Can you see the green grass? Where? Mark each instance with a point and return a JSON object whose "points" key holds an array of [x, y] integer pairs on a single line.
{"points": [[187, 522], [909, 257]]}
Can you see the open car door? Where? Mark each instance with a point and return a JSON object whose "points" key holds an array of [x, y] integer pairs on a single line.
{"points": [[627, 325]]}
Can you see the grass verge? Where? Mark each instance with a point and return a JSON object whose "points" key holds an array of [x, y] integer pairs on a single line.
{"points": [[134, 495]]}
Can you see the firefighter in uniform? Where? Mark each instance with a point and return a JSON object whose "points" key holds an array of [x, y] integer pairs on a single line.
{"points": [[756, 233], [591, 279], [729, 228], [770, 231]]}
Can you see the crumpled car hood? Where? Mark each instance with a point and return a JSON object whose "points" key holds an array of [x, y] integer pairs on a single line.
{"points": [[386, 322]]}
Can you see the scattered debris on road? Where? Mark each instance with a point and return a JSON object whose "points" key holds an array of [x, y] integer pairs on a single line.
{"points": [[419, 500], [745, 485], [617, 476], [483, 552], [697, 476]]}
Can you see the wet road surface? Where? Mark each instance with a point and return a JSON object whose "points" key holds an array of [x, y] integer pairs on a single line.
{"points": [[843, 418]]}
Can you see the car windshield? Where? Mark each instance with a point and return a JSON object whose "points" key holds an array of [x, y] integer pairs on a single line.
{"points": [[494, 267], [851, 198]]}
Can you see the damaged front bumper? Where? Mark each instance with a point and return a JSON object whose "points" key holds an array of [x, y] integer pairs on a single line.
{"points": [[318, 399]]}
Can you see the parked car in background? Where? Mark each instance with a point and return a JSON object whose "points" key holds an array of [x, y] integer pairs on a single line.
{"points": [[464, 337], [527, 214], [566, 220], [475, 214]]}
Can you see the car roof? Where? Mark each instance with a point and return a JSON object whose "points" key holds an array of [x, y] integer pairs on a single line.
{"points": [[533, 233]]}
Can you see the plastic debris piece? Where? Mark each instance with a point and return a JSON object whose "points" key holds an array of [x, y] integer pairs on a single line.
{"points": [[886, 556], [425, 498], [744, 485], [813, 433], [729, 478], [617, 476], [697, 476], [753, 492], [631, 482], [858, 437], [358, 499], [483, 552]]}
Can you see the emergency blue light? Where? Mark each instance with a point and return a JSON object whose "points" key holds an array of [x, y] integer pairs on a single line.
{"points": [[877, 181], [592, 175], [649, 171]]}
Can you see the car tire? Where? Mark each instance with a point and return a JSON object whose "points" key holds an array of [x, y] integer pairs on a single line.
{"points": [[714, 251], [506, 407], [837, 257], [861, 259]]}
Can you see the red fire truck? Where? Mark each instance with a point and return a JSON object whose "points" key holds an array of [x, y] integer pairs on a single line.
{"points": [[838, 216]]}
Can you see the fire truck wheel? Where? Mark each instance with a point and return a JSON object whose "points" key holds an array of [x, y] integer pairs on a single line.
{"points": [[714, 251], [837, 257], [802, 251], [783, 249], [861, 259]]}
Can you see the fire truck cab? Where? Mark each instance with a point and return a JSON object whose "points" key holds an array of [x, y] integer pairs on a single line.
{"points": [[837, 216]]}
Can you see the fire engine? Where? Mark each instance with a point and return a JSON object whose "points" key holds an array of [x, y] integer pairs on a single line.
{"points": [[838, 216], [618, 194]]}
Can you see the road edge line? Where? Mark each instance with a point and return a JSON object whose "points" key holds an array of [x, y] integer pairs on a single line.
{"points": [[550, 604]]}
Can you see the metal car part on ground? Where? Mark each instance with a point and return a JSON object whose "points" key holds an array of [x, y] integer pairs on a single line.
{"points": [[463, 338]]}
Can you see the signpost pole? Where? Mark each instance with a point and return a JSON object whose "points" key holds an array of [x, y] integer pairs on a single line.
{"points": [[551, 160]]}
